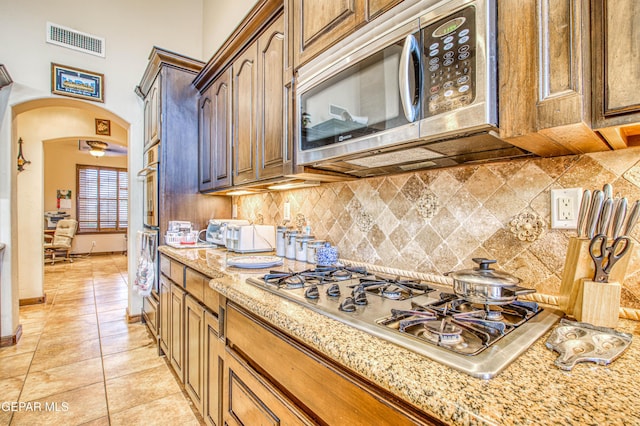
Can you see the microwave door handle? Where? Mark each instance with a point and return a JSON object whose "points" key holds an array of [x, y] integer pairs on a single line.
{"points": [[410, 56]]}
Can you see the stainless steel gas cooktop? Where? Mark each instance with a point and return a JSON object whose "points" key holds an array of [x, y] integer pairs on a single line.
{"points": [[427, 318]]}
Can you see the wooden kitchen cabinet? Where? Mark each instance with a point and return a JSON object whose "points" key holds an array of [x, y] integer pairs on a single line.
{"points": [[272, 112], [543, 68], [616, 71], [254, 346], [176, 330], [251, 400], [152, 114], [213, 370], [214, 141], [194, 345], [165, 313], [317, 25], [245, 98]]}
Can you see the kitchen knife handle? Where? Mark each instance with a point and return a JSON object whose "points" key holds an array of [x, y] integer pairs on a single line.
{"points": [[584, 210], [633, 218], [594, 213], [605, 217], [618, 219]]}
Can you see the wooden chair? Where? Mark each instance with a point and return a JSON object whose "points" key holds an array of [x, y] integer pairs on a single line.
{"points": [[61, 240]]}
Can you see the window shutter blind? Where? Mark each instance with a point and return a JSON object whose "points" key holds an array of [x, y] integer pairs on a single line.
{"points": [[102, 199]]}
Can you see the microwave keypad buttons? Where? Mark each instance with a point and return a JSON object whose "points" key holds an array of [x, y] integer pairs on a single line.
{"points": [[451, 52]]}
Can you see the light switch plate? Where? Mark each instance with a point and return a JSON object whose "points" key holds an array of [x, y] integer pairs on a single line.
{"points": [[565, 206]]}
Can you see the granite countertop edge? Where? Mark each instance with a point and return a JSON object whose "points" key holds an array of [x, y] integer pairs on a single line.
{"points": [[532, 390]]}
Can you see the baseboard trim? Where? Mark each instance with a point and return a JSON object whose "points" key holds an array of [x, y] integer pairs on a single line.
{"points": [[13, 339], [133, 318], [33, 300]]}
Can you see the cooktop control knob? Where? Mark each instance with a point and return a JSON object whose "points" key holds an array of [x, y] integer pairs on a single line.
{"points": [[348, 305], [333, 290], [312, 292]]}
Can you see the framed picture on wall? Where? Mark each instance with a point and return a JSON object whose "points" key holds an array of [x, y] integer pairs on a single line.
{"points": [[77, 83], [103, 127]]}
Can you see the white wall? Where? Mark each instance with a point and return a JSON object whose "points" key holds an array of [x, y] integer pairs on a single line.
{"points": [[131, 29], [220, 18]]}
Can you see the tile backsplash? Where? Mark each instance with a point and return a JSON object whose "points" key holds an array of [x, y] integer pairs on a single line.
{"points": [[436, 221]]}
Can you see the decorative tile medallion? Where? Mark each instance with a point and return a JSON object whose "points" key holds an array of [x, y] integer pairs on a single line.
{"points": [[527, 226]]}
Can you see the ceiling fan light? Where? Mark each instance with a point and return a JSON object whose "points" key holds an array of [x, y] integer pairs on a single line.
{"points": [[96, 152]]}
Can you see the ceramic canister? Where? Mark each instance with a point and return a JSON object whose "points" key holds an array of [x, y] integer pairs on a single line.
{"points": [[326, 255], [281, 241], [290, 244], [312, 247], [302, 242]]}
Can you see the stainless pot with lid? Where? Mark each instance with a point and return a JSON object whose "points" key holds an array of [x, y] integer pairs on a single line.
{"points": [[487, 286]]}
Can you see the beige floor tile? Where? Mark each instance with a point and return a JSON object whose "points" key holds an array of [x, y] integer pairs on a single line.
{"points": [[27, 343], [171, 410], [117, 296], [114, 315], [138, 336], [111, 306], [56, 380], [65, 311], [16, 365], [32, 328], [63, 324], [10, 388], [65, 296], [102, 421], [140, 388], [109, 328], [123, 363], [55, 353], [71, 335], [67, 408]]}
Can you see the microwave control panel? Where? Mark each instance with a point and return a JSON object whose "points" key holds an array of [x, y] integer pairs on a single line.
{"points": [[449, 51]]}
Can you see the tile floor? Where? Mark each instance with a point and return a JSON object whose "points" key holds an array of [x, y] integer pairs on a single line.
{"points": [[80, 362]]}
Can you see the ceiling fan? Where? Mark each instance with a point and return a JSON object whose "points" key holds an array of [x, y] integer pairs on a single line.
{"points": [[100, 148]]}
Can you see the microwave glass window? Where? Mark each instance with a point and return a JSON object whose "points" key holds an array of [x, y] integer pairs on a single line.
{"points": [[450, 63], [360, 100]]}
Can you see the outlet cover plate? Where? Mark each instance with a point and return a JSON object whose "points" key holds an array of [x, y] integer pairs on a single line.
{"points": [[565, 206]]}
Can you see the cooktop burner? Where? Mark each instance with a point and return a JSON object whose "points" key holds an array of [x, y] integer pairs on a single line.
{"points": [[427, 318]]}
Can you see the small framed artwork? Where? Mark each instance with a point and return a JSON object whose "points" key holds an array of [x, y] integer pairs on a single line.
{"points": [[103, 127], [77, 83]]}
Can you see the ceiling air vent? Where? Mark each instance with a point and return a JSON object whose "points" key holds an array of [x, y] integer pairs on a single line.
{"points": [[76, 40]]}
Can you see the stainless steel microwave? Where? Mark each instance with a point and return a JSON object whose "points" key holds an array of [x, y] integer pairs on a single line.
{"points": [[416, 90]]}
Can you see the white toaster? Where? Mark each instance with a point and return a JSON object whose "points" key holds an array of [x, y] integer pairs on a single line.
{"points": [[250, 238], [217, 230]]}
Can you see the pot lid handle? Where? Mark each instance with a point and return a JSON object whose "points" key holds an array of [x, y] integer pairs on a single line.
{"points": [[483, 264]]}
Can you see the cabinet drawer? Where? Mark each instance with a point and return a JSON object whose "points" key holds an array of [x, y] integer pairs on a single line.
{"points": [[177, 272], [150, 314], [211, 298], [165, 265], [305, 376], [195, 283], [250, 400]]}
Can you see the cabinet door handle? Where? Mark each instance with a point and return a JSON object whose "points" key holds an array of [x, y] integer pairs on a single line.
{"points": [[410, 57]]}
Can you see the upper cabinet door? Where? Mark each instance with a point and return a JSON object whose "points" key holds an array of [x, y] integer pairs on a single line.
{"points": [[319, 24], [272, 116], [214, 152], [245, 99], [616, 69], [377, 7], [155, 114], [205, 142]]}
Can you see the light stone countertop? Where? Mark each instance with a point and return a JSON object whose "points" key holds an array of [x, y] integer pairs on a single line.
{"points": [[530, 391]]}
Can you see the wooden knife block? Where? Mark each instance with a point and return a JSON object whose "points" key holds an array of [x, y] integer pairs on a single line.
{"points": [[579, 266], [598, 303]]}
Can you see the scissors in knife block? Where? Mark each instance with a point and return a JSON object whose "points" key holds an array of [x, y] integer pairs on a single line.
{"points": [[605, 256]]}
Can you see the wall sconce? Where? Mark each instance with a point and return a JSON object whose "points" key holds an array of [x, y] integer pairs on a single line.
{"points": [[21, 160]]}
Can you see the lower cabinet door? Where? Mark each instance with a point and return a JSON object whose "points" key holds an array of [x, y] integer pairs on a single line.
{"points": [[176, 330], [165, 314], [194, 350], [213, 370], [251, 400]]}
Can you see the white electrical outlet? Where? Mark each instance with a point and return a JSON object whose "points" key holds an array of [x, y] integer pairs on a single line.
{"points": [[565, 205], [287, 210]]}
